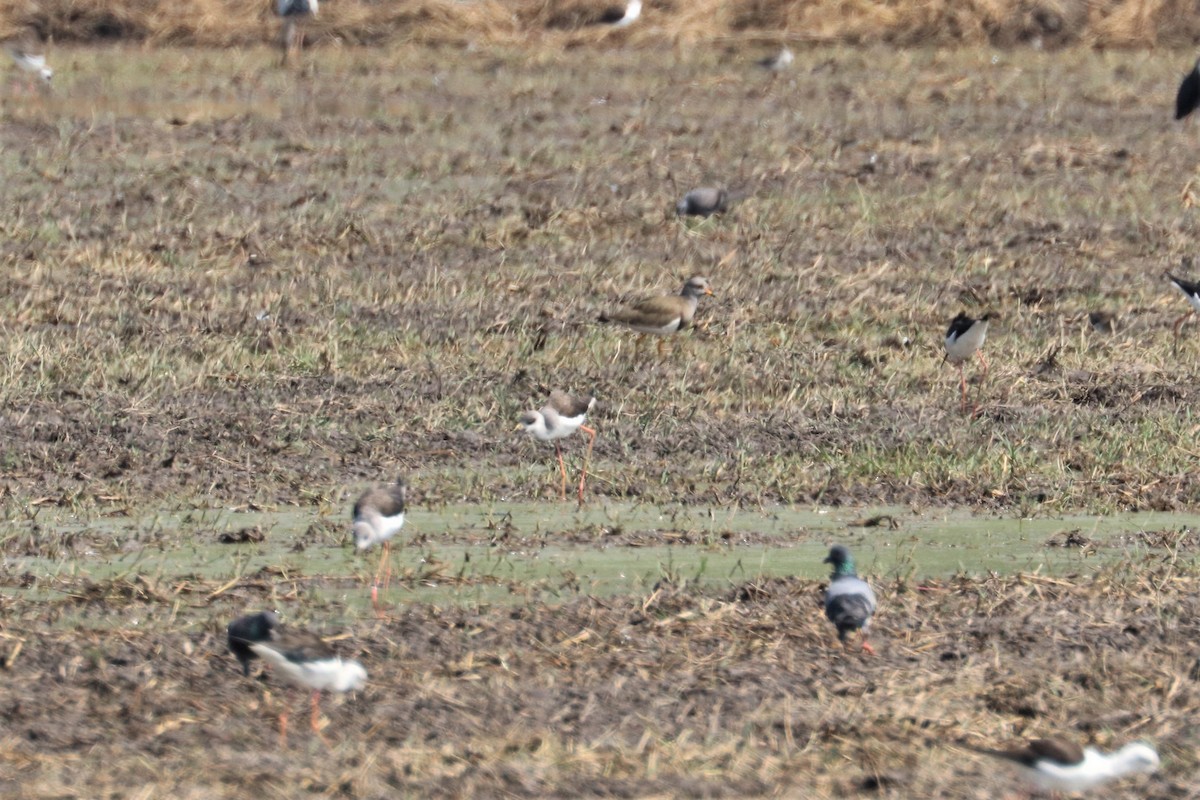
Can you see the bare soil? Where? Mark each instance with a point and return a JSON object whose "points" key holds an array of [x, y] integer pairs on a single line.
{"points": [[741, 693]]}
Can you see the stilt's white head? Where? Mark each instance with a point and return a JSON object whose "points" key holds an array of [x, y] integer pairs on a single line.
{"points": [[1138, 757], [533, 423], [364, 535]]}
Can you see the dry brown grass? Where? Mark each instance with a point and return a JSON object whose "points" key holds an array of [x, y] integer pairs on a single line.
{"points": [[1103, 23], [408, 222]]}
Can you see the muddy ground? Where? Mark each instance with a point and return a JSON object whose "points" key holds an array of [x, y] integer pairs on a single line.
{"points": [[681, 693], [224, 285]]}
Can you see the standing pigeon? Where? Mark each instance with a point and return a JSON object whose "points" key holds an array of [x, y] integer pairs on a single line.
{"points": [[703, 202], [849, 601]]}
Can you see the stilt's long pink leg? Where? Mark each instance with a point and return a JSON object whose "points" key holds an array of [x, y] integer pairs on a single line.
{"points": [[591, 432]]}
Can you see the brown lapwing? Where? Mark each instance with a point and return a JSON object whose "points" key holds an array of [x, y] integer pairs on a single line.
{"points": [[304, 659], [1058, 765], [662, 316], [248, 630], [378, 516], [964, 338], [1188, 96], [1192, 292], [849, 600], [562, 415], [293, 12]]}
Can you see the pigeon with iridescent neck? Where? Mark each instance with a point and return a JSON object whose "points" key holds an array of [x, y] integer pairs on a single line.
{"points": [[849, 601]]}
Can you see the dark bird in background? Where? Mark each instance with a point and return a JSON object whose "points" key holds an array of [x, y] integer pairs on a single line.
{"points": [[1103, 321], [248, 630], [778, 62], [1189, 93], [704, 202]]}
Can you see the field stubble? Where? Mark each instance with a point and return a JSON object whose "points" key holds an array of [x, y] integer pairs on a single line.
{"points": [[224, 23], [681, 692], [223, 284], [235, 285]]}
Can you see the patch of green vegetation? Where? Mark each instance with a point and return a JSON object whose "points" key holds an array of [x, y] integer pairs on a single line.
{"points": [[524, 552]]}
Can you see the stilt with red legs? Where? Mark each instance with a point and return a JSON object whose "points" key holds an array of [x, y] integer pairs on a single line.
{"points": [[562, 415], [306, 660], [964, 338], [378, 516]]}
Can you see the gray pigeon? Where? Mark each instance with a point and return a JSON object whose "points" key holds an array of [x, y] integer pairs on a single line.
{"points": [[849, 601], [703, 202]]}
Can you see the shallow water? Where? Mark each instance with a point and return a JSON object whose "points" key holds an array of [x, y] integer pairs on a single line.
{"points": [[517, 552]]}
